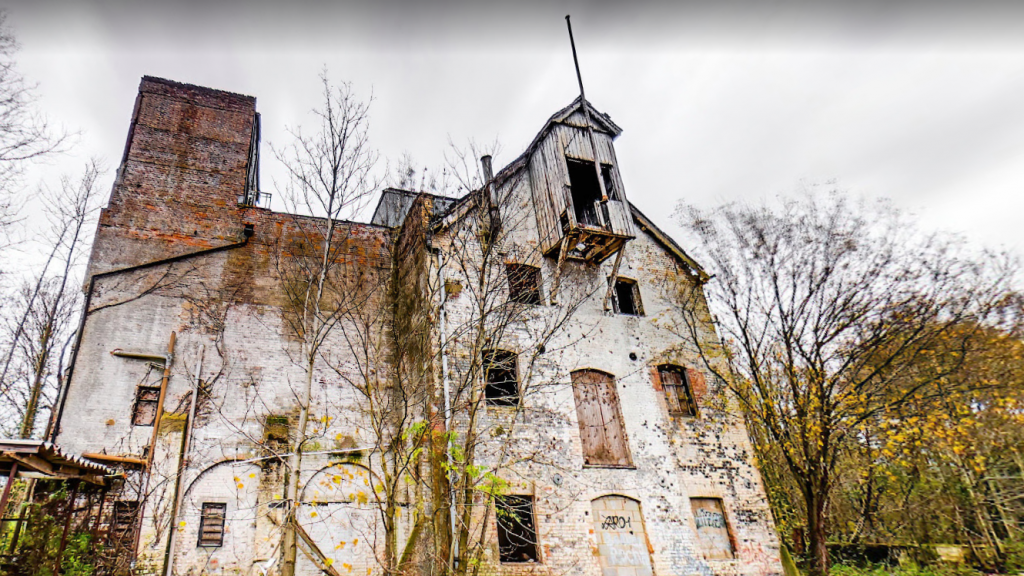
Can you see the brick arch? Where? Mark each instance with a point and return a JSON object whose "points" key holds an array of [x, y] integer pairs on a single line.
{"points": [[595, 370]]}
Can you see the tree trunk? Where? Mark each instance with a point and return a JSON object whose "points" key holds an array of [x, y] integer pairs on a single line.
{"points": [[816, 531], [289, 543]]}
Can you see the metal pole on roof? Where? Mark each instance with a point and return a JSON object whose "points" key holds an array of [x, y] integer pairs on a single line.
{"points": [[586, 113]]}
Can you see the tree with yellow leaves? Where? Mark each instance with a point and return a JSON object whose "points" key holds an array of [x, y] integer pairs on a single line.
{"points": [[827, 306]]}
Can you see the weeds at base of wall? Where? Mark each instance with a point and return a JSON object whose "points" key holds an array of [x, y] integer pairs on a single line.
{"points": [[908, 569]]}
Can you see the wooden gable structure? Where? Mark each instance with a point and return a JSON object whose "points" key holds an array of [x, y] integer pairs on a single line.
{"points": [[570, 215]]}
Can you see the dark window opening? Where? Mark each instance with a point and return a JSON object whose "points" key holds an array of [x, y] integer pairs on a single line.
{"points": [[147, 399], [609, 182], [678, 392], [523, 283], [586, 192], [122, 523], [211, 524], [502, 387], [517, 536], [627, 298]]}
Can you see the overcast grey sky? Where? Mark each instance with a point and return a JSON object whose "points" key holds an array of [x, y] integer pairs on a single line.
{"points": [[919, 101]]}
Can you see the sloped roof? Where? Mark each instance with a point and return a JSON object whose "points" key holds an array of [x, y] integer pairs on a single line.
{"points": [[603, 122], [45, 459], [667, 242]]}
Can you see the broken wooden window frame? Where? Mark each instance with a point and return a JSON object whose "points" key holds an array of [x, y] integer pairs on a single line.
{"points": [[147, 402], [679, 397], [213, 516], [626, 286], [608, 176], [599, 413], [524, 283], [501, 378], [517, 529], [585, 191]]}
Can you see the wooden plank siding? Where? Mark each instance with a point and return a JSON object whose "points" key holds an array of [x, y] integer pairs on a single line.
{"points": [[549, 180], [601, 429]]}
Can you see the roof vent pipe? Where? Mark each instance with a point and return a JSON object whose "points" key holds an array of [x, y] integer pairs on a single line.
{"points": [[492, 193]]}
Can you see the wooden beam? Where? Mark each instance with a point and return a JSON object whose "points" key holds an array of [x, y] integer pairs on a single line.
{"points": [[614, 277]]}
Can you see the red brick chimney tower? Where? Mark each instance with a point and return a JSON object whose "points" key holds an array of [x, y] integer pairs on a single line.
{"points": [[192, 152]]}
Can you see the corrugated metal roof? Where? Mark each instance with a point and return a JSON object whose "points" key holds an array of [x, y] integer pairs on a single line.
{"points": [[51, 454]]}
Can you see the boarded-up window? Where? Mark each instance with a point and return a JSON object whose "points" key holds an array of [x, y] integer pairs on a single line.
{"points": [[627, 297], [621, 539], [517, 535], [678, 392], [211, 524], [523, 283], [601, 429], [147, 399], [712, 528], [501, 387], [122, 522]]}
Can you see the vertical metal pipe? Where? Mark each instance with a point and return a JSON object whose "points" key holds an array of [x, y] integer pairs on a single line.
{"points": [[152, 443], [160, 402], [186, 443], [447, 400]]}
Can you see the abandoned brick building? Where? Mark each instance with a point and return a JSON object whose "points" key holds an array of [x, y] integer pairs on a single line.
{"points": [[536, 315]]}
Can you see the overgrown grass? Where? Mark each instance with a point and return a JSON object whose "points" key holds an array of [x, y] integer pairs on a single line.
{"points": [[907, 569]]}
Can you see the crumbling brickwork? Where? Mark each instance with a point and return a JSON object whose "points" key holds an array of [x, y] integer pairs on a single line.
{"points": [[173, 256]]}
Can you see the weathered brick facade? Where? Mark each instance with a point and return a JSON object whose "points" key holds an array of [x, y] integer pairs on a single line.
{"points": [[172, 255]]}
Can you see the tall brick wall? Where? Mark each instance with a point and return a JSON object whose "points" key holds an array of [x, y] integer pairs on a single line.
{"points": [[183, 169]]}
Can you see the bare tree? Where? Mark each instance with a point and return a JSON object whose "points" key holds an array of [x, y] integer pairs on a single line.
{"points": [[24, 133], [826, 305], [331, 175], [39, 332]]}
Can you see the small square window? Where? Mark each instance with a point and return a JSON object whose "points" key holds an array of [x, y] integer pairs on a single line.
{"points": [[678, 392], [517, 536], [627, 298], [147, 399], [211, 524], [523, 283], [501, 376]]}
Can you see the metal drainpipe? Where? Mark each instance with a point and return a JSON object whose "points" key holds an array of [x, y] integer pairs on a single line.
{"points": [[447, 396], [186, 443]]}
